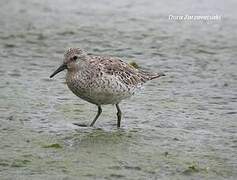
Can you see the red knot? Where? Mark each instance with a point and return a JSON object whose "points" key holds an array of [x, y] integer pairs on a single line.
{"points": [[102, 80]]}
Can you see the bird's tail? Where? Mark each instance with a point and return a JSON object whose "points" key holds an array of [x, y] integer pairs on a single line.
{"points": [[149, 75], [157, 75]]}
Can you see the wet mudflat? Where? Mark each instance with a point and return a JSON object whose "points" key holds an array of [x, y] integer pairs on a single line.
{"points": [[182, 126]]}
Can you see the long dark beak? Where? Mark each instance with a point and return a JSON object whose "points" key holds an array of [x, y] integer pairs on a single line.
{"points": [[61, 68]]}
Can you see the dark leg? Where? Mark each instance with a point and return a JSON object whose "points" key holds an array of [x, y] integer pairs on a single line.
{"points": [[119, 113], [97, 115]]}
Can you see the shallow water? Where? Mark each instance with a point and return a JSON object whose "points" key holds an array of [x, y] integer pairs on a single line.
{"points": [[182, 126]]}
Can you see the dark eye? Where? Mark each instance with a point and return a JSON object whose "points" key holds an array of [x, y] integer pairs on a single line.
{"points": [[74, 58]]}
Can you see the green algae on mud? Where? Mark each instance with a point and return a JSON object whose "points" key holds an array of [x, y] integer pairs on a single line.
{"points": [[134, 64], [20, 163], [55, 146]]}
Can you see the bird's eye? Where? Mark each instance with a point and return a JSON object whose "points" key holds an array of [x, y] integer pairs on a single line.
{"points": [[74, 58]]}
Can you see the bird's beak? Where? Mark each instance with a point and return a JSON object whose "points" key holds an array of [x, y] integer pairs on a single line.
{"points": [[61, 68]]}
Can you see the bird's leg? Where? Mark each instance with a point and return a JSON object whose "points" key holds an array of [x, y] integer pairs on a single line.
{"points": [[97, 115], [119, 113]]}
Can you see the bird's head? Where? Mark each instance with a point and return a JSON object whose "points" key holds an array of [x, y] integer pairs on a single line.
{"points": [[71, 59]]}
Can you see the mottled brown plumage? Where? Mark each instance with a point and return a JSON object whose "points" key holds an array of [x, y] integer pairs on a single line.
{"points": [[102, 80]]}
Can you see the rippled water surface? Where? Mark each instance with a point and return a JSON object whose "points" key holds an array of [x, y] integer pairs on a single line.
{"points": [[182, 126]]}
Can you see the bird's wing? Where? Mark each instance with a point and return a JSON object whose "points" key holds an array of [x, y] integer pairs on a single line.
{"points": [[126, 73]]}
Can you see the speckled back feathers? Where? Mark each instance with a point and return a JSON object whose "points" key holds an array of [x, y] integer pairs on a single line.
{"points": [[126, 73]]}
